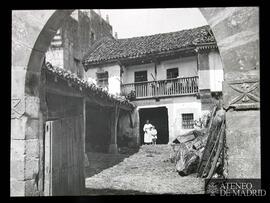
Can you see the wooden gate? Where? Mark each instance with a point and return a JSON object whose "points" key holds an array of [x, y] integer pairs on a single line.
{"points": [[64, 157]]}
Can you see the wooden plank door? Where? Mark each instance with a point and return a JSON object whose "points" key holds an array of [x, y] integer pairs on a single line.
{"points": [[47, 160], [64, 157]]}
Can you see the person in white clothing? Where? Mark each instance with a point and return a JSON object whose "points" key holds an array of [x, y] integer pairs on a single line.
{"points": [[147, 133], [154, 135]]}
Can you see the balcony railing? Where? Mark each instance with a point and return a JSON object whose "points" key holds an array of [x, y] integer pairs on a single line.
{"points": [[162, 88]]}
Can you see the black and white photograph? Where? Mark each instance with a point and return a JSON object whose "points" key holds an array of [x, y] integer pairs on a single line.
{"points": [[136, 101]]}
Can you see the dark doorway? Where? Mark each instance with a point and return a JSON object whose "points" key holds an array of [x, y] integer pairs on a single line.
{"points": [[159, 118], [97, 138]]}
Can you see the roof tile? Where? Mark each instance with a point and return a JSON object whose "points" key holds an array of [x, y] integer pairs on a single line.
{"points": [[82, 84], [107, 49]]}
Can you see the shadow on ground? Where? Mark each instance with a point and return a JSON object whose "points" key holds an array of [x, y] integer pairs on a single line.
{"points": [[101, 161]]}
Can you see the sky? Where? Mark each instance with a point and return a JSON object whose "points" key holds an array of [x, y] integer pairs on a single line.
{"points": [[140, 22]]}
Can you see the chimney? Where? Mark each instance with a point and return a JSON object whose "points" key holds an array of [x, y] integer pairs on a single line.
{"points": [[107, 18], [115, 35]]}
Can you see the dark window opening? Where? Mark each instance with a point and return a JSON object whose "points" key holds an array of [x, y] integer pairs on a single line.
{"points": [[187, 121], [141, 76], [102, 79], [78, 68], [172, 73]]}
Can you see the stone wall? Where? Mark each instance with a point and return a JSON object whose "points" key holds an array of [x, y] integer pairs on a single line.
{"points": [[243, 140], [78, 32], [98, 27], [236, 30]]}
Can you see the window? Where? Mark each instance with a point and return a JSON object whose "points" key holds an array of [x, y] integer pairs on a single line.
{"points": [[140, 76], [172, 73], [187, 121], [78, 68], [102, 79]]}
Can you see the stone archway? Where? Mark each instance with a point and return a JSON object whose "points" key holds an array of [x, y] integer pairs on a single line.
{"points": [[32, 32], [236, 32]]}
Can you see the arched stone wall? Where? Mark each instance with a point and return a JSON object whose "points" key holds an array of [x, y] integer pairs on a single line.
{"points": [[236, 31], [32, 32]]}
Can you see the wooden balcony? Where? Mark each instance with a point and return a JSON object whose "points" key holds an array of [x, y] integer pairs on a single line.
{"points": [[162, 88]]}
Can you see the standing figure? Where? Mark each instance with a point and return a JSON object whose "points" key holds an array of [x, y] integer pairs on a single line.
{"points": [[154, 135], [147, 132]]}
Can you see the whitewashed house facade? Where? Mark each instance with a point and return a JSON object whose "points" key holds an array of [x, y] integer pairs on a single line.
{"points": [[171, 78]]}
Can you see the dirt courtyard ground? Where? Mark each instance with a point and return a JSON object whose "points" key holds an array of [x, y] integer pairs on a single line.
{"points": [[148, 171]]}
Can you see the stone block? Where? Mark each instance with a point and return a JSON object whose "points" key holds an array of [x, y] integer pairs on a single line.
{"points": [[239, 120], [17, 149], [219, 14], [32, 83], [237, 40], [32, 148], [17, 188], [32, 106], [17, 169], [35, 62], [17, 58], [18, 128], [31, 168], [31, 188], [243, 19], [32, 129], [18, 81], [243, 141], [247, 75], [243, 167], [241, 58], [241, 91], [26, 25], [51, 27], [17, 107], [210, 13]]}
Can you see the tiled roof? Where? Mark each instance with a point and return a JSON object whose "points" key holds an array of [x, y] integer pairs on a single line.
{"points": [[109, 49], [84, 85]]}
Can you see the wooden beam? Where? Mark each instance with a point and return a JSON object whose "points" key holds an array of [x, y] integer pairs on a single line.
{"points": [[130, 120], [84, 123], [62, 92], [114, 121], [64, 88]]}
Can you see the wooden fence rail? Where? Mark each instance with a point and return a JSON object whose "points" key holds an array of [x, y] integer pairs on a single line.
{"points": [[170, 87]]}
